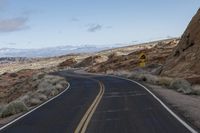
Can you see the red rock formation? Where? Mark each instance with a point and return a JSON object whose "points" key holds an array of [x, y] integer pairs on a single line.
{"points": [[184, 61]]}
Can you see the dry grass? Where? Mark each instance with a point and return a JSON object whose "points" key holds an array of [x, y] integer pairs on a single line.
{"points": [[13, 108], [47, 87], [28, 88], [179, 85]]}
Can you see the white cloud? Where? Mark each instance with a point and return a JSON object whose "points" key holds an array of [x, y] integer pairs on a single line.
{"points": [[13, 24], [94, 27]]}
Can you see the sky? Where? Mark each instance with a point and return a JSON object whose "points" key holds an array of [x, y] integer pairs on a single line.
{"points": [[28, 24]]}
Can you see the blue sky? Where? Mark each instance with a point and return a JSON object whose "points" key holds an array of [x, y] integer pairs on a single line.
{"points": [[49, 23]]}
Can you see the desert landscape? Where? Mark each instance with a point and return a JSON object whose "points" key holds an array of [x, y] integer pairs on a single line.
{"points": [[171, 71]]}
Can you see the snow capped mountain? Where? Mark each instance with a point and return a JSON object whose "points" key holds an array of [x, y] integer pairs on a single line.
{"points": [[49, 52]]}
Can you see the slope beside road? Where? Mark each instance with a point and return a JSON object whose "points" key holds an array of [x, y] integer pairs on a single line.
{"points": [[124, 107]]}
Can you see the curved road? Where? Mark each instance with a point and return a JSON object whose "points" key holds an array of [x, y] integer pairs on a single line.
{"points": [[100, 104]]}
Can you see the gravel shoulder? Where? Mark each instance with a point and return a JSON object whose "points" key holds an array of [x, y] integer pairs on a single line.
{"points": [[187, 106]]}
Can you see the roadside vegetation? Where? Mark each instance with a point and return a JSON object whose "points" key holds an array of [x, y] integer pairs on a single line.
{"points": [[26, 89], [177, 84]]}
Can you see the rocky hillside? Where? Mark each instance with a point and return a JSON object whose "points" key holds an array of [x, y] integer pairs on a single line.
{"points": [[185, 59], [121, 59], [92, 60]]}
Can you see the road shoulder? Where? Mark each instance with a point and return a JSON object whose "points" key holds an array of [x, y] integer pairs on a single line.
{"points": [[186, 106]]}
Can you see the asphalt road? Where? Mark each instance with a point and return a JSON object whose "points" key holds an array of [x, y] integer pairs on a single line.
{"points": [[121, 107]]}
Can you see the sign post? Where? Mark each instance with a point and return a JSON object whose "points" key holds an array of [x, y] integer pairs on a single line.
{"points": [[142, 58]]}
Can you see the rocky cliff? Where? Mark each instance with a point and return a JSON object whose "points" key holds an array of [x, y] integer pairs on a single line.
{"points": [[184, 61]]}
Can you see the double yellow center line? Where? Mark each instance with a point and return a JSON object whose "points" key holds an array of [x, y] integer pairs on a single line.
{"points": [[82, 126]]}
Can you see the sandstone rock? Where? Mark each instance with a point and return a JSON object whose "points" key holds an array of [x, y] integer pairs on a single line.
{"points": [[92, 60], [184, 62], [122, 61], [68, 63]]}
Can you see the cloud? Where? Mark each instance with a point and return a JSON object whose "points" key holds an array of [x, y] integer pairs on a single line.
{"points": [[94, 27], [75, 20], [13, 24], [11, 43]]}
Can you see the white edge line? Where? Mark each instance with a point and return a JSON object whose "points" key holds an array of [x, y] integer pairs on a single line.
{"points": [[15, 120], [165, 106]]}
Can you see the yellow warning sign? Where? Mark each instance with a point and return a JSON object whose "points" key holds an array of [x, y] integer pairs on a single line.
{"points": [[142, 58]]}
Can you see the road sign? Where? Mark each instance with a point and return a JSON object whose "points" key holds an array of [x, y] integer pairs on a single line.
{"points": [[142, 58]]}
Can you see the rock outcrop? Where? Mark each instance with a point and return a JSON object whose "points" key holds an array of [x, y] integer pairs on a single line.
{"points": [[184, 62], [92, 60], [68, 63], [156, 55]]}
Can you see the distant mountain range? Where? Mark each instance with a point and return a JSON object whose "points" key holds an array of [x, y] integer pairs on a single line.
{"points": [[50, 52], [6, 60]]}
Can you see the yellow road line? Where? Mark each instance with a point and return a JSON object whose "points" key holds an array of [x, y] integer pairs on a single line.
{"points": [[82, 126]]}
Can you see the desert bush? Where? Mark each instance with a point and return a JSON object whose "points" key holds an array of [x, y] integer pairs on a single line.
{"points": [[109, 72], [63, 83], [136, 76], [43, 87], [40, 76], [41, 97], [164, 81], [13, 75], [144, 77], [181, 85], [25, 99], [54, 92], [196, 89], [1, 109], [151, 79], [34, 101], [59, 87], [13, 108], [121, 73], [51, 85]]}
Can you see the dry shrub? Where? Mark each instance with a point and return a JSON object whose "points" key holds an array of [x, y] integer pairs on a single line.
{"points": [[46, 87], [181, 85], [13, 75], [13, 108], [196, 89]]}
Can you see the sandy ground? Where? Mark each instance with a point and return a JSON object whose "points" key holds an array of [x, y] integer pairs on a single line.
{"points": [[187, 106]]}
